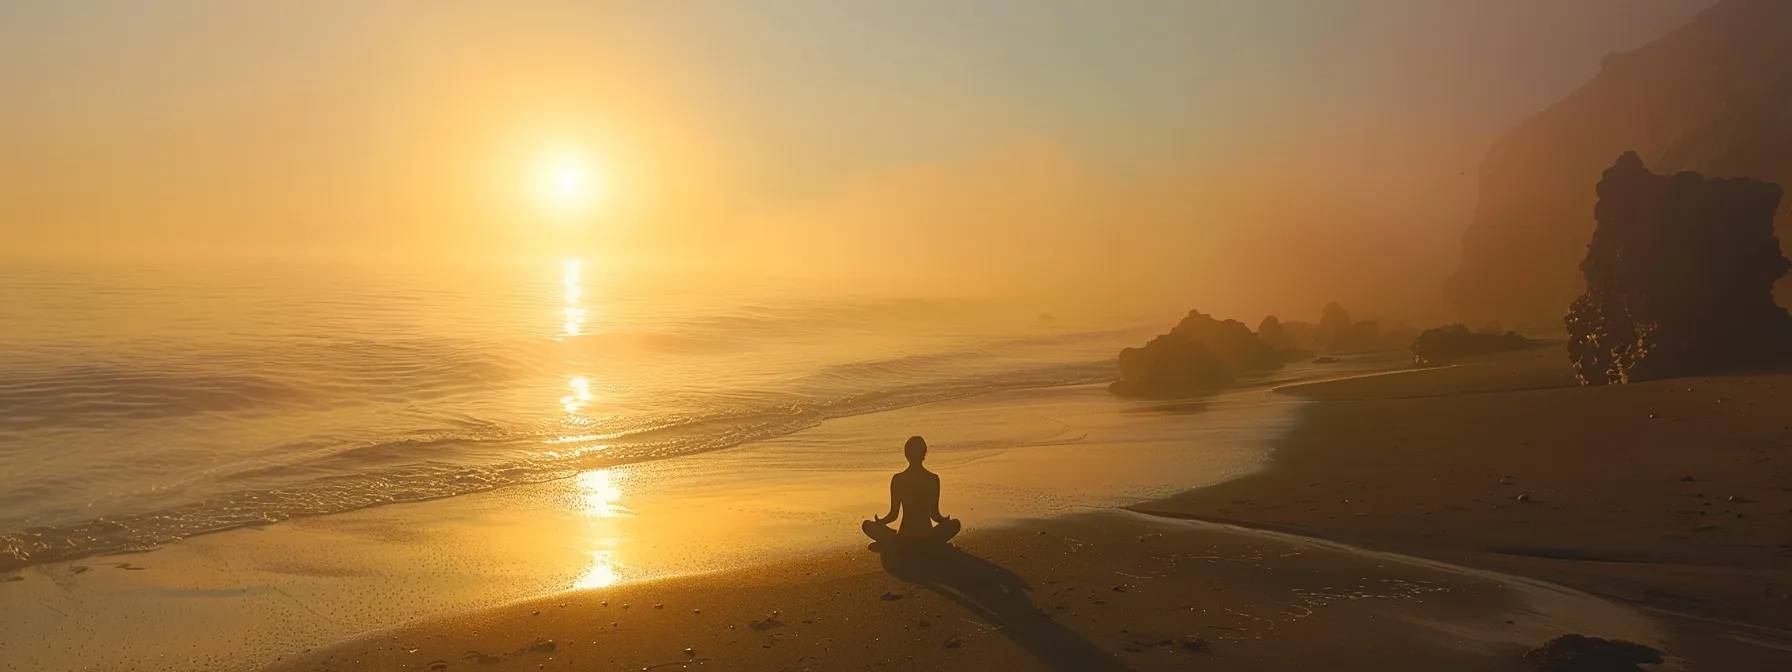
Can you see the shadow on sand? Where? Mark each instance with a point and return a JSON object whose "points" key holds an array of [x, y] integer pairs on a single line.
{"points": [[999, 597]]}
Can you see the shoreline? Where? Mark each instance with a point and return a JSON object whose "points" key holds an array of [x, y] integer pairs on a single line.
{"points": [[1446, 572], [1665, 497], [1043, 594], [1364, 434], [309, 582]]}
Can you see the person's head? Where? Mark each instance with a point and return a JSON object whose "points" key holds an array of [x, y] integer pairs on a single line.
{"points": [[915, 450]]}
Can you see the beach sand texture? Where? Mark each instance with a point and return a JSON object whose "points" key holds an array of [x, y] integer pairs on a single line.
{"points": [[1387, 531], [1610, 540]]}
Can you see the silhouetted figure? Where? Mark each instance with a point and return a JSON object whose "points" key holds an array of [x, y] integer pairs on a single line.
{"points": [[915, 496]]}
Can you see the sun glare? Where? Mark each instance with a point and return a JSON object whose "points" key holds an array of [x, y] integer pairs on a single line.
{"points": [[568, 185]]}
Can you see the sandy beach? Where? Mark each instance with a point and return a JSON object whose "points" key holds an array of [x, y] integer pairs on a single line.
{"points": [[244, 598], [1385, 531], [1443, 335], [1433, 560], [1673, 497]]}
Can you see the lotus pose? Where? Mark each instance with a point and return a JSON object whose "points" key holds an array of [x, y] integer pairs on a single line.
{"points": [[915, 496]]}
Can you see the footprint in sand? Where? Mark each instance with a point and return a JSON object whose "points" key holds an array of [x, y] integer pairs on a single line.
{"points": [[482, 658]]}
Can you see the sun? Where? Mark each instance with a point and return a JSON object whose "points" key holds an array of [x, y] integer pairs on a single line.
{"points": [[568, 181], [568, 184]]}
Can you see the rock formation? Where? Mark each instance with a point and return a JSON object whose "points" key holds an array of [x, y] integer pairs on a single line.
{"points": [[1709, 97], [1580, 653], [1198, 355], [1679, 278], [1271, 333], [1443, 345]]}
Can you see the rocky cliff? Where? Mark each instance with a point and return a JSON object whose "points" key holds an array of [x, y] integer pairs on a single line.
{"points": [[1714, 96]]}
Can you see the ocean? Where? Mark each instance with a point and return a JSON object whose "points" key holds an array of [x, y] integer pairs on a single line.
{"points": [[142, 405]]}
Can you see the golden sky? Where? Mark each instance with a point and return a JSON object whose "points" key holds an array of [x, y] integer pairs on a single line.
{"points": [[1308, 148]]}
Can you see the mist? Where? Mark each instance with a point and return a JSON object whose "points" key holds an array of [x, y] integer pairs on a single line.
{"points": [[1249, 157]]}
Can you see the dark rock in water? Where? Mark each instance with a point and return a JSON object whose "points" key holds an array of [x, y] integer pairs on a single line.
{"points": [[1710, 96], [1440, 346], [1680, 276], [1200, 354], [1580, 653]]}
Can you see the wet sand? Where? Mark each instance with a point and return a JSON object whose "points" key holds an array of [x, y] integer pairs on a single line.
{"points": [[1387, 533], [240, 599], [1670, 497], [1380, 536], [1099, 591]]}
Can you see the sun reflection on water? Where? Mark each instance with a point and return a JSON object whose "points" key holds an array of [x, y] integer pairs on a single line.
{"points": [[574, 311], [601, 573], [598, 495], [599, 498], [581, 394]]}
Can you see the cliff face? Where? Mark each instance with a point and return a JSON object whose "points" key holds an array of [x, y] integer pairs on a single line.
{"points": [[1714, 96]]}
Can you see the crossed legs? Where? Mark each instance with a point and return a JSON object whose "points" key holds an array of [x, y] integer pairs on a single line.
{"points": [[940, 533]]}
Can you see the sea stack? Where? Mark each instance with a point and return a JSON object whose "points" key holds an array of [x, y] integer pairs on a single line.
{"points": [[1198, 355], [1679, 276]]}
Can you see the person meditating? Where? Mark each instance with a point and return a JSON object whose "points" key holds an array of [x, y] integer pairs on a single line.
{"points": [[915, 495]]}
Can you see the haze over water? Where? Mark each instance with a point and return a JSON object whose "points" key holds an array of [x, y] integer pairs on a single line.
{"points": [[148, 404]]}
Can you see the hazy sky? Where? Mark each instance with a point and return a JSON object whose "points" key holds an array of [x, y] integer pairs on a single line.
{"points": [[1302, 148]]}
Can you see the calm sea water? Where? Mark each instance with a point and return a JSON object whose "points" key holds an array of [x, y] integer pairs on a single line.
{"points": [[142, 405]]}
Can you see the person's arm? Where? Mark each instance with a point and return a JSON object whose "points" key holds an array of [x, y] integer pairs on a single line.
{"points": [[895, 506], [937, 516]]}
